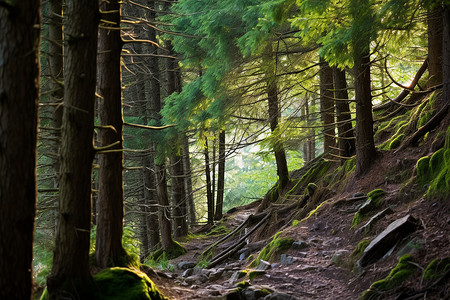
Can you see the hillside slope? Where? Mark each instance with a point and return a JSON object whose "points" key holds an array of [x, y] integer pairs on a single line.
{"points": [[331, 235]]}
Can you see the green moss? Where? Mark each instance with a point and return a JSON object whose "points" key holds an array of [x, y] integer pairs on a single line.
{"points": [[434, 171], [243, 284], [314, 211], [402, 271], [360, 249], [357, 219], [396, 141], [373, 202], [175, 251], [436, 269], [350, 165], [312, 176], [254, 274], [376, 195], [122, 283], [218, 230], [273, 249], [295, 223], [422, 167]]}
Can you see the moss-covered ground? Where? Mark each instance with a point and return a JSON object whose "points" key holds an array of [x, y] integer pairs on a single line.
{"points": [[402, 271]]}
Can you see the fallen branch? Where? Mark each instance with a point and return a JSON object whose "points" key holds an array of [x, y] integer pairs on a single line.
{"points": [[227, 236], [238, 245]]}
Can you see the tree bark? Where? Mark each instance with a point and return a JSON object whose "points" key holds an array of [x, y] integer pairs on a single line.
{"points": [[19, 94], [151, 202], [163, 201], [274, 115], [70, 273], [108, 247], [179, 210], [221, 177], [346, 139], [188, 181], [209, 197], [365, 145], [434, 21], [55, 59], [446, 55], [327, 106]]}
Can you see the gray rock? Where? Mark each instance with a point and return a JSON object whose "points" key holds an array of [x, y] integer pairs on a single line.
{"points": [[263, 265], [366, 207], [244, 255], [387, 239], [299, 245], [197, 270], [374, 219], [286, 260], [416, 244], [213, 276], [187, 273], [184, 265], [236, 275], [339, 257]]}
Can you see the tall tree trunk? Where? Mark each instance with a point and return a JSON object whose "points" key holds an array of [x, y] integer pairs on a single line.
{"points": [[327, 107], [274, 114], [55, 59], [221, 177], [365, 145], [151, 202], [309, 145], [346, 139], [446, 56], [108, 247], [19, 95], [188, 181], [143, 233], [434, 21], [209, 197], [213, 169], [179, 210], [163, 201], [70, 272]]}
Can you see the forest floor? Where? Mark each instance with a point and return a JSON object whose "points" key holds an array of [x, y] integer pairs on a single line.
{"points": [[325, 269]]}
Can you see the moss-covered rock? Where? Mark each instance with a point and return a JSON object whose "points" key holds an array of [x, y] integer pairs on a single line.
{"points": [[356, 254], [402, 271], [121, 283], [273, 249], [434, 171], [373, 202], [435, 270]]}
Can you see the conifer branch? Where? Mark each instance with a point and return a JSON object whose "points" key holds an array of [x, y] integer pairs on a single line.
{"points": [[107, 147], [149, 127]]}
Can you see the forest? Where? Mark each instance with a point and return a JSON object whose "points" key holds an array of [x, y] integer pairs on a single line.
{"points": [[169, 149]]}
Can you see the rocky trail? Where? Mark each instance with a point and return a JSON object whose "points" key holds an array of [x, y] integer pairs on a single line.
{"points": [[318, 265], [322, 243]]}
